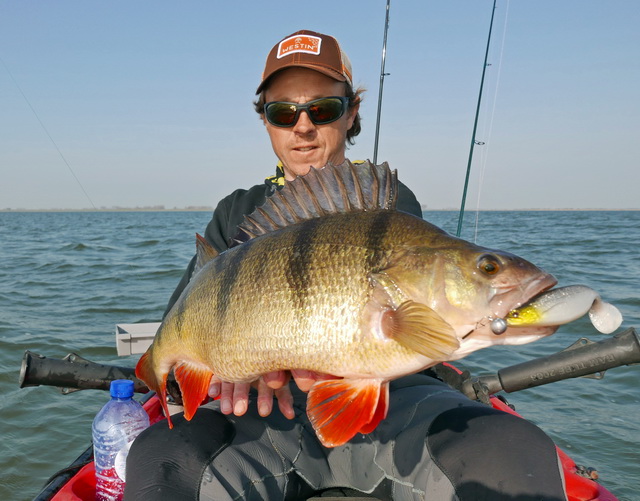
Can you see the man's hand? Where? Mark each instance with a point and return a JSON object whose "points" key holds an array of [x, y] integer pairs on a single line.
{"points": [[306, 379], [234, 397]]}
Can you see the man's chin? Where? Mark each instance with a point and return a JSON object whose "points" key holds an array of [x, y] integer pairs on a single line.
{"points": [[300, 168]]}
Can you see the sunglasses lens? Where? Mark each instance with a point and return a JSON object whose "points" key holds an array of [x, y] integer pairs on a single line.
{"points": [[321, 111], [281, 114], [325, 111]]}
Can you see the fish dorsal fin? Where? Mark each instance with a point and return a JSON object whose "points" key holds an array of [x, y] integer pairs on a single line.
{"points": [[204, 252], [333, 189]]}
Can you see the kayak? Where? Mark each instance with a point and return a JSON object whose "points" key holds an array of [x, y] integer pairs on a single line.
{"points": [[77, 482]]}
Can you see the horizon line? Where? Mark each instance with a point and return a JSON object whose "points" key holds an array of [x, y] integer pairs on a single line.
{"points": [[209, 208]]}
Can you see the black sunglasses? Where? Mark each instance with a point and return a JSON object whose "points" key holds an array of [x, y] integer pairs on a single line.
{"points": [[321, 111]]}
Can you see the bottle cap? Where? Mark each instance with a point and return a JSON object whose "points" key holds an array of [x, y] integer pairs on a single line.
{"points": [[121, 388]]}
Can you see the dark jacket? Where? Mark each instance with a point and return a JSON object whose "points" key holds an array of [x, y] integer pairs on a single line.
{"points": [[231, 210]]}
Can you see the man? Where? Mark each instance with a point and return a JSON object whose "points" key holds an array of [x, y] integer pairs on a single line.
{"points": [[434, 443], [302, 68]]}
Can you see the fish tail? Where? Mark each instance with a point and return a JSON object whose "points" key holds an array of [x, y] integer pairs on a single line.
{"points": [[145, 372], [340, 408]]}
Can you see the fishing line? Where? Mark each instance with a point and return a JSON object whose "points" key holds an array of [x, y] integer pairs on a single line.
{"points": [[48, 135], [485, 151]]}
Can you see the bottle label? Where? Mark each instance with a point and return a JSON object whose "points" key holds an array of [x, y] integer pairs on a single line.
{"points": [[120, 462]]}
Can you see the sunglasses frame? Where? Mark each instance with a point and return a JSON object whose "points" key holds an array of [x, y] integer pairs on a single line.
{"points": [[305, 107]]}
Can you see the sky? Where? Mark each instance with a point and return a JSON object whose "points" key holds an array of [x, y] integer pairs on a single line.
{"points": [[134, 104]]}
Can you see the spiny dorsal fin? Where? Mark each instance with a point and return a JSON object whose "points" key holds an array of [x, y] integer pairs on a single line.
{"points": [[204, 252], [332, 189]]}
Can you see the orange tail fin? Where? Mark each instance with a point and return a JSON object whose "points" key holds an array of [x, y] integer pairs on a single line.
{"points": [[145, 372], [340, 408], [194, 383]]}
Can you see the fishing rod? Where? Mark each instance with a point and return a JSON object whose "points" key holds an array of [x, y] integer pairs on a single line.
{"points": [[475, 125], [382, 75]]}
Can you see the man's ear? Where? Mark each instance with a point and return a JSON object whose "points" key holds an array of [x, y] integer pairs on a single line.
{"points": [[352, 112]]}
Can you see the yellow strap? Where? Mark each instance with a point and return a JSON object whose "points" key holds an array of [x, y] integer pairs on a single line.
{"points": [[278, 178]]}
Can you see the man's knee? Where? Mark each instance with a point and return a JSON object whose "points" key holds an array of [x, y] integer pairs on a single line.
{"points": [[487, 452], [167, 464]]}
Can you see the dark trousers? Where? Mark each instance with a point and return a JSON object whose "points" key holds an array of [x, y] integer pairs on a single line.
{"points": [[435, 444]]}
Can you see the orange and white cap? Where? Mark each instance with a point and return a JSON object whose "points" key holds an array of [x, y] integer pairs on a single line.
{"points": [[308, 49]]}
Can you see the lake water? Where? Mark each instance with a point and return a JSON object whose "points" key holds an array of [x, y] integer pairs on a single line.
{"points": [[67, 278]]}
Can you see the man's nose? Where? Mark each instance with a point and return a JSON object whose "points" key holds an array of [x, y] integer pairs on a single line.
{"points": [[304, 123]]}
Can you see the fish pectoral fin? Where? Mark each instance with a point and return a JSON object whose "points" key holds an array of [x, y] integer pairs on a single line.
{"points": [[340, 408], [145, 372], [419, 328], [193, 380]]}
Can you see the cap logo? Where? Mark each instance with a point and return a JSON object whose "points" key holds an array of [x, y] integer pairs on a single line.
{"points": [[306, 44]]}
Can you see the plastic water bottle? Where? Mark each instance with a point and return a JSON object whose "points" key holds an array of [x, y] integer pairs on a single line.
{"points": [[115, 427]]}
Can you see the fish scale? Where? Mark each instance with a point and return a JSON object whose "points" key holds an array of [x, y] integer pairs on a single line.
{"points": [[325, 293]]}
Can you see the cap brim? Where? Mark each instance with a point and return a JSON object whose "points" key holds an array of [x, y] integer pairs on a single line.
{"points": [[331, 73]]}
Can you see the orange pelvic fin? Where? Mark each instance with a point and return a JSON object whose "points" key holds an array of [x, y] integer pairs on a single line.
{"points": [[381, 410], [419, 328], [194, 383], [340, 408], [145, 372]]}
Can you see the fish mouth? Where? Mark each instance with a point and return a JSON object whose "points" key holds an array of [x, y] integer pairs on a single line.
{"points": [[508, 298]]}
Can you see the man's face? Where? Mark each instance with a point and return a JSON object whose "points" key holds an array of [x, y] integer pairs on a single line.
{"points": [[306, 144]]}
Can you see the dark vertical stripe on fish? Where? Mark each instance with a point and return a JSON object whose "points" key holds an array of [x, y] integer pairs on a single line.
{"points": [[376, 235], [178, 310], [229, 268], [297, 268]]}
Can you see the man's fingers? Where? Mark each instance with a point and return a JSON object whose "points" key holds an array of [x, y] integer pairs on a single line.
{"points": [[265, 398], [241, 398], [234, 397], [276, 379], [215, 387], [306, 379], [226, 397], [285, 402]]}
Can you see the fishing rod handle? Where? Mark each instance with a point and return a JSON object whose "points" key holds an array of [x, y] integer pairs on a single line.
{"points": [[583, 358], [73, 373]]}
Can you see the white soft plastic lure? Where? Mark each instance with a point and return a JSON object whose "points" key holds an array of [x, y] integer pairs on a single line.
{"points": [[563, 305]]}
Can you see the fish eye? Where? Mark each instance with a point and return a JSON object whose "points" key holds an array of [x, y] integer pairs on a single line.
{"points": [[488, 264]]}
